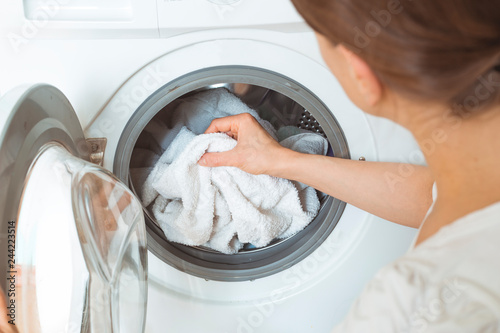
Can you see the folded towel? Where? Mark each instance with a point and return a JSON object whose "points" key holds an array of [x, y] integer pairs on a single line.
{"points": [[221, 208]]}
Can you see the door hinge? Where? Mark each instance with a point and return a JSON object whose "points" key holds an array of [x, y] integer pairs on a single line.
{"points": [[97, 147]]}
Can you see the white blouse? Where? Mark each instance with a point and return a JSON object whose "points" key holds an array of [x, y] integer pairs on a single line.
{"points": [[449, 283]]}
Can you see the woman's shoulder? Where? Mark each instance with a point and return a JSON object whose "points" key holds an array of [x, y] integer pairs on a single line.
{"points": [[456, 271], [482, 226], [448, 283]]}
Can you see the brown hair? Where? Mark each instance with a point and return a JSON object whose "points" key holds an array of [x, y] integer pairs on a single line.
{"points": [[439, 50]]}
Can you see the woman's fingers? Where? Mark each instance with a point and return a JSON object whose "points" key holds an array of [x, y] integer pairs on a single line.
{"points": [[255, 151], [232, 124], [217, 159], [226, 124]]}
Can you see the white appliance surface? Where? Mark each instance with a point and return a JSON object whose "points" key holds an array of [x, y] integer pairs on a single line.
{"points": [[107, 58]]}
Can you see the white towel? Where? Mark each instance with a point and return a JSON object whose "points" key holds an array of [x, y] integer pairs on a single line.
{"points": [[223, 208]]}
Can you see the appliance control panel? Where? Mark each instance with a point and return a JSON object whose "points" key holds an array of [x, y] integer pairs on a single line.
{"points": [[104, 19], [189, 15], [74, 19]]}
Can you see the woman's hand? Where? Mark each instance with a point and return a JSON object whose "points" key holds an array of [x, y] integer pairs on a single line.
{"points": [[256, 151]]}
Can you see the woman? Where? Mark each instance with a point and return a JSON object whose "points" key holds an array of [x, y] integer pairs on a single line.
{"points": [[434, 68]]}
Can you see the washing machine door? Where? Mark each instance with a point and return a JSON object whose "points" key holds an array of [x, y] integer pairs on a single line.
{"points": [[75, 247]]}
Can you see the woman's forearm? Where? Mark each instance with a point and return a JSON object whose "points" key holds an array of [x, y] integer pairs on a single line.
{"points": [[400, 193]]}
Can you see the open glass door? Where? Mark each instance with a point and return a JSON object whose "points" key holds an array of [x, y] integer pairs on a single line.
{"points": [[80, 258]]}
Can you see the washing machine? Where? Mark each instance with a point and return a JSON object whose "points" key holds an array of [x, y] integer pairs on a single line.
{"points": [[81, 80]]}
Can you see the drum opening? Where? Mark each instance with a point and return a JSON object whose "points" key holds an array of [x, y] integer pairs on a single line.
{"points": [[277, 99]]}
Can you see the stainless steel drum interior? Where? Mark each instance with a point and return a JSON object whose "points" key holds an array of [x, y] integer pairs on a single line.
{"points": [[281, 101]]}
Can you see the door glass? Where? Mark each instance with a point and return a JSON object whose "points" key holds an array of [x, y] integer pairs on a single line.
{"points": [[81, 256]]}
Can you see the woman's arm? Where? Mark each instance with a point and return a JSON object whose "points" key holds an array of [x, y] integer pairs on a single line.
{"points": [[375, 187], [396, 192]]}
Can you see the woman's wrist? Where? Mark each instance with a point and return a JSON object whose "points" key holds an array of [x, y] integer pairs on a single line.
{"points": [[281, 163]]}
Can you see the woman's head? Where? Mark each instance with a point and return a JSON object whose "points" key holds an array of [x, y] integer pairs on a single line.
{"points": [[438, 51]]}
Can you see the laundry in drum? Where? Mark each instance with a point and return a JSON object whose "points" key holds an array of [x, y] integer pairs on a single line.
{"points": [[221, 208]]}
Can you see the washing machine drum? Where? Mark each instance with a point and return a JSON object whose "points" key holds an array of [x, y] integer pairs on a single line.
{"points": [[276, 98]]}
